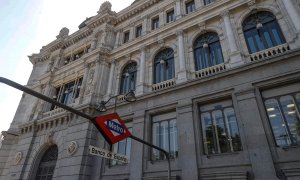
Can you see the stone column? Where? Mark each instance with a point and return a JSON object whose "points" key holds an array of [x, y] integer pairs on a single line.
{"points": [[178, 12], [137, 155], [145, 25], [117, 41], [93, 44], [186, 139], [182, 74], [57, 62], [47, 92], [131, 32], [235, 55], [292, 11], [198, 3], [141, 72], [84, 80], [96, 77], [162, 18], [257, 144], [110, 79]]}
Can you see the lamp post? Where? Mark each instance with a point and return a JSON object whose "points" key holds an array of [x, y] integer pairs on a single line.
{"points": [[130, 98]]}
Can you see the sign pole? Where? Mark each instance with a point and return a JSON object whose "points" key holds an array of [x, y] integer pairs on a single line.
{"points": [[79, 113]]}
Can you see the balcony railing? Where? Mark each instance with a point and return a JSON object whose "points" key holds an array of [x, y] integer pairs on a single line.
{"points": [[163, 85], [210, 70], [53, 112], [269, 52]]}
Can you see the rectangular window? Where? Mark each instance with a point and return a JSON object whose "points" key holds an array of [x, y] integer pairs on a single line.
{"points": [[283, 113], [155, 23], [164, 135], [126, 37], [219, 128], [122, 147], [67, 93], [170, 16], [207, 2], [138, 31], [190, 7]]}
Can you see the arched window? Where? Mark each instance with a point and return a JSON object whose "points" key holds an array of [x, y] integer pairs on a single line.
{"points": [[261, 31], [207, 51], [164, 65], [47, 165], [128, 78]]}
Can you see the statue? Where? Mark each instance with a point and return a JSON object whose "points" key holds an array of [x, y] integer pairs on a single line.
{"points": [[64, 32], [105, 7]]}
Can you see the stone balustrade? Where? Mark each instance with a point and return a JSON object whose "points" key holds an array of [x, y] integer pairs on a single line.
{"points": [[53, 112], [269, 52], [163, 85], [210, 70]]}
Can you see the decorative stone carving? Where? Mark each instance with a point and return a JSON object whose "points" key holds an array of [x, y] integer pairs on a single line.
{"points": [[105, 7], [72, 148], [90, 81], [18, 157], [50, 136], [64, 32]]}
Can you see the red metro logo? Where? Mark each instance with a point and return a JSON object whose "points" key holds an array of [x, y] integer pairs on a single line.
{"points": [[114, 127]]}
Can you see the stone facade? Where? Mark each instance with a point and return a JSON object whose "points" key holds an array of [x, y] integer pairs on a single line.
{"points": [[97, 55]]}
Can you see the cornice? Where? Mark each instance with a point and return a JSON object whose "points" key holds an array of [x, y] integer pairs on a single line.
{"points": [[135, 9]]}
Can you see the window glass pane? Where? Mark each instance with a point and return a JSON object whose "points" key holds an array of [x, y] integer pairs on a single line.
{"points": [[259, 42], [277, 33], [173, 139], [250, 42], [278, 125], [221, 134], [292, 117], [164, 135], [268, 38], [210, 146], [233, 130], [155, 140]]}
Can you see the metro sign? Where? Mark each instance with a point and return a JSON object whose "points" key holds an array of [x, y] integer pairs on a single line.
{"points": [[113, 127]]}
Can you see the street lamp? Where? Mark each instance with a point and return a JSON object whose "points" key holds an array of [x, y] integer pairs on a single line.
{"points": [[129, 97]]}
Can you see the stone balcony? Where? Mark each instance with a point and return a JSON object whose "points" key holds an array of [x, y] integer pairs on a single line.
{"points": [[210, 70], [267, 53], [163, 85]]}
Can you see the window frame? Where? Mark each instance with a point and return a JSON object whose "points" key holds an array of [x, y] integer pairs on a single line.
{"points": [[268, 36], [126, 37], [220, 105], [190, 6], [138, 31], [283, 116], [170, 116], [61, 94], [208, 2], [166, 70], [172, 19], [133, 77], [155, 23], [203, 56]]}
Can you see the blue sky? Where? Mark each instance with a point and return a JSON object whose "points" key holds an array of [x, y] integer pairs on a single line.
{"points": [[26, 26]]}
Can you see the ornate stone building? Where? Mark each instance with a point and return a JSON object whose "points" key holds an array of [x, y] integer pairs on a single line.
{"points": [[217, 85]]}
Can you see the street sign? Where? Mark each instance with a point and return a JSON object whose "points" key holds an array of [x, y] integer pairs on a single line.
{"points": [[113, 127], [107, 154]]}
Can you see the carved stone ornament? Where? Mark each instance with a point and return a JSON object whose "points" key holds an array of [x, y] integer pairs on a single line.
{"points": [[18, 157], [64, 32], [50, 136], [105, 7], [72, 148]]}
